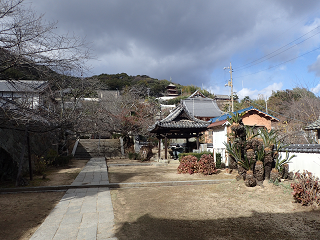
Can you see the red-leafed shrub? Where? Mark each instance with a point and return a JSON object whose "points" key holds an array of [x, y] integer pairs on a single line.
{"points": [[206, 165], [190, 164], [306, 189]]}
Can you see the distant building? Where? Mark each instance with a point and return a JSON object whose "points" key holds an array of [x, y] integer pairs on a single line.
{"points": [[222, 100], [29, 92], [315, 127], [202, 107], [103, 94], [172, 90]]}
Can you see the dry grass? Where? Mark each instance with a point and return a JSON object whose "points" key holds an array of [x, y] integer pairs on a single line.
{"points": [[228, 210]]}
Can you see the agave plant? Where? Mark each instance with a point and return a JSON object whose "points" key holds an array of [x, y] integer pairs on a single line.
{"points": [[250, 132], [260, 154], [246, 162], [235, 151], [268, 137], [280, 162], [235, 118]]}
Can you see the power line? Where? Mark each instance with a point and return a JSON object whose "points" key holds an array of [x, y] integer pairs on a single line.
{"points": [[265, 58], [280, 63]]}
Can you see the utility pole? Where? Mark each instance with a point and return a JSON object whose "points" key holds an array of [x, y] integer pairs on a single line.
{"points": [[266, 105], [230, 84]]}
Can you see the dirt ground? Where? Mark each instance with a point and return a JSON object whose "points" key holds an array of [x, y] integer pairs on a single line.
{"points": [[228, 210], [22, 213]]}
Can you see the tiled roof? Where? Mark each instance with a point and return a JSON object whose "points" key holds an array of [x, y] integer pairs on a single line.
{"points": [[302, 148], [313, 126], [197, 93], [218, 123], [200, 106], [228, 115], [179, 118], [22, 85]]}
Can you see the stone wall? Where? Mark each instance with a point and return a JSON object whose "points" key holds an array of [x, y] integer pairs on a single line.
{"points": [[13, 142]]}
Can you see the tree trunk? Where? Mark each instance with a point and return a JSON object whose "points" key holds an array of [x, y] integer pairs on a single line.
{"points": [[19, 179], [259, 171]]}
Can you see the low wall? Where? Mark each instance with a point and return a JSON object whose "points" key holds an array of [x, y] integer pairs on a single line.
{"points": [[307, 158]]}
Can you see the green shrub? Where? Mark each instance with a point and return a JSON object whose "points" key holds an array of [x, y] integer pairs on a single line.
{"points": [[40, 164], [51, 156], [134, 156], [62, 160], [197, 155], [218, 160]]}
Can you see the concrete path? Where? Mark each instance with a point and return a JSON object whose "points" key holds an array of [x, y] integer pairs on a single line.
{"points": [[82, 213]]}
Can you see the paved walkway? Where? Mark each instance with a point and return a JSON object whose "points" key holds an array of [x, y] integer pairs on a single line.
{"points": [[82, 213]]}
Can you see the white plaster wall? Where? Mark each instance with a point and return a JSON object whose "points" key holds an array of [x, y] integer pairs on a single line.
{"points": [[219, 136], [304, 161]]}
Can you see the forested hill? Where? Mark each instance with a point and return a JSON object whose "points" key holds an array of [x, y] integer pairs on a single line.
{"points": [[121, 80], [155, 87]]}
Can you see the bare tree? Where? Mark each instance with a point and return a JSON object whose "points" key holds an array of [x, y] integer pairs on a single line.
{"points": [[29, 42], [302, 109], [126, 115]]}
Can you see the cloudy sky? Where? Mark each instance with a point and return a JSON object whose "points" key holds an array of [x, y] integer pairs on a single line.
{"points": [[271, 44]]}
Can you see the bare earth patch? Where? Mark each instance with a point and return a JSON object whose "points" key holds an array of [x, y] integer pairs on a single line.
{"points": [[228, 210], [164, 172], [22, 213], [57, 176]]}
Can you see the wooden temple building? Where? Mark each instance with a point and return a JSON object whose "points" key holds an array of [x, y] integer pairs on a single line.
{"points": [[179, 124]]}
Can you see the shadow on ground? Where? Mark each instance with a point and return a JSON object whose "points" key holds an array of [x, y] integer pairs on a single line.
{"points": [[22, 213], [300, 225]]}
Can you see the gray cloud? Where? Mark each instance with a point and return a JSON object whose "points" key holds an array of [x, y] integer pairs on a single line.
{"points": [[184, 39]]}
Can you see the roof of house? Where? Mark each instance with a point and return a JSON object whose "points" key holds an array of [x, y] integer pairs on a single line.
{"points": [[22, 85], [313, 126], [228, 115], [223, 97], [179, 118], [218, 123], [200, 106]]}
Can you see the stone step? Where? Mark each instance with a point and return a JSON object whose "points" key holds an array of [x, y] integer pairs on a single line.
{"points": [[88, 148]]}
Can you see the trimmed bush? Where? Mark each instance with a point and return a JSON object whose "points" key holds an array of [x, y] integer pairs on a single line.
{"points": [[197, 155], [190, 164], [306, 189], [206, 165]]}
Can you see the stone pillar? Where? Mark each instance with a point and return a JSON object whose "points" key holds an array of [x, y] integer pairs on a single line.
{"points": [[121, 146], [187, 144], [165, 147], [159, 147], [136, 144], [197, 142]]}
